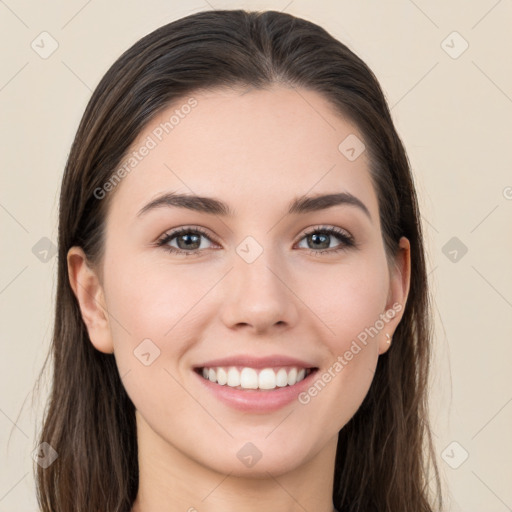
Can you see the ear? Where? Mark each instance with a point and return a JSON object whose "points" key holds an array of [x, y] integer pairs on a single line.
{"points": [[400, 276], [89, 293]]}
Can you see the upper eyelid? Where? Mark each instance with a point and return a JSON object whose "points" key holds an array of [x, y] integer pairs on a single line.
{"points": [[335, 229], [184, 229]]}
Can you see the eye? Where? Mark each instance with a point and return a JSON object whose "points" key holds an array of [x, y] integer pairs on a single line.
{"points": [[321, 238], [188, 241]]}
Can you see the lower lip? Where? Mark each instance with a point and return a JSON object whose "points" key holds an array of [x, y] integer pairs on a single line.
{"points": [[256, 400]]}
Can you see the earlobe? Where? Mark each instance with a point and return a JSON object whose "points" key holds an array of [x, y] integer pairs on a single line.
{"points": [[90, 296], [399, 290]]}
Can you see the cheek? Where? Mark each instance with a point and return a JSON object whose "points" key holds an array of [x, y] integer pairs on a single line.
{"points": [[141, 310], [149, 301], [347, 298], [151, 322], [157, 314]]}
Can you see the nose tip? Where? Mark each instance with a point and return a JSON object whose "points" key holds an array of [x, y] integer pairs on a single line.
{"points": [[257, 298]]}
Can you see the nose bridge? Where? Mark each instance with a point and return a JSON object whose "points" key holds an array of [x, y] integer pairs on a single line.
{"points": [[257, 294]]}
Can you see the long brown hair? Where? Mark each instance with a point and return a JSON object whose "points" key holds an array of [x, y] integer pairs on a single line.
{"points": [[385, 452]]}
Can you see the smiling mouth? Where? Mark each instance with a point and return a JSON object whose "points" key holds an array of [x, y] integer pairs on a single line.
{"points": [[245, 378]]}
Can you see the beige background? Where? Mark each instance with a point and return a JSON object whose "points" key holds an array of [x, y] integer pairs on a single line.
{"points": [[453, 115]]}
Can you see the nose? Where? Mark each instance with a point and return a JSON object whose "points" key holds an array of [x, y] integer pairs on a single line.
{"points": [[259, 297]]}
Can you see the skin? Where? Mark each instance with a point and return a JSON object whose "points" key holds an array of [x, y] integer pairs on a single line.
{"points": [[255, 150]]}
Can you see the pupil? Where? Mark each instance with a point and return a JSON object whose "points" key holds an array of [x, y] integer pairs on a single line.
{"points": [[316, 237], [188, 242]]}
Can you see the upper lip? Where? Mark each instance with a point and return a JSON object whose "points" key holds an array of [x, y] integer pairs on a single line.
{"points": [[256, 362]]}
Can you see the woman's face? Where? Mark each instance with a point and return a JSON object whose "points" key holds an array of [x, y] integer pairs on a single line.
{"points": [[267, 288]]}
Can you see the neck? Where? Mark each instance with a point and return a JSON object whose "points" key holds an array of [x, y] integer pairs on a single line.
{"points": [[170, 481]]}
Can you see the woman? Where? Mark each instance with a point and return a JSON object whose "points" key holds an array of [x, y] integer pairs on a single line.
{"points": [[242, 313]]}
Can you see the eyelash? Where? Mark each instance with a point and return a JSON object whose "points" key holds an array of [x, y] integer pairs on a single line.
{"points": [[346, 239]]}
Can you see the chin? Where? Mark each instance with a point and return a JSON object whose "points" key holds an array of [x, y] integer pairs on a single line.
{"points": [[256, 460]]}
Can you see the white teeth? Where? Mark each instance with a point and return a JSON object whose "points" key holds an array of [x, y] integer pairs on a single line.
{"points": [[267, 379], [292, 376], [222, 376], [233, 378], [249, 378], [282, 378]]}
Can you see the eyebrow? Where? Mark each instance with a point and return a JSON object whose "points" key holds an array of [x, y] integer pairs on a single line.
{"points": [[299, 205]]}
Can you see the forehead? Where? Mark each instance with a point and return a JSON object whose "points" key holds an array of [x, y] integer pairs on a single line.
{"points": [[246, 147]]}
